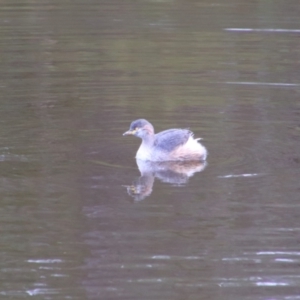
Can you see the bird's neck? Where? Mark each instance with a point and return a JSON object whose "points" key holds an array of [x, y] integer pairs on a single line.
{"points": [[148, 140]]}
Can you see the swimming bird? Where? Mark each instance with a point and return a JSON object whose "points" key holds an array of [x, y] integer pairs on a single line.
{"points": [[169, 145]]}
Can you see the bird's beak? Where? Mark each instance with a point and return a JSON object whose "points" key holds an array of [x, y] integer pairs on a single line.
{"points": [[129, 132]]}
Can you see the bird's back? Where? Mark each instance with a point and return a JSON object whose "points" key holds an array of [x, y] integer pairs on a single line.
{"points": [[170, 139]]}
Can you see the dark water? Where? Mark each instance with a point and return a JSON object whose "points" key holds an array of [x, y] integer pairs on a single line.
{"points": [[77, 218]]}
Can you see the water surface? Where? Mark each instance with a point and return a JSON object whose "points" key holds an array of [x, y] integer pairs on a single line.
{"points": [[79, 220]]}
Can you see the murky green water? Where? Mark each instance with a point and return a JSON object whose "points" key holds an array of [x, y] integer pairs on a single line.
{"points": [[79, 219]]}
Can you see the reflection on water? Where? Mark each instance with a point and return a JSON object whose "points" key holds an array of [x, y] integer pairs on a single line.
{"points": [[176, 173]]}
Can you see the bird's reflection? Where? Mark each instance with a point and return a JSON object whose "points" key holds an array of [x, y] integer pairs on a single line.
{"points": [[175, 173]]}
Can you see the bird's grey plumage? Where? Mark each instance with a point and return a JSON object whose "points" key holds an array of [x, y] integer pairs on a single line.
{"points": [[170, 139]]}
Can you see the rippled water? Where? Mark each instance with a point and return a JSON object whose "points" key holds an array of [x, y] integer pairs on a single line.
{"points": [[80, 218]]}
